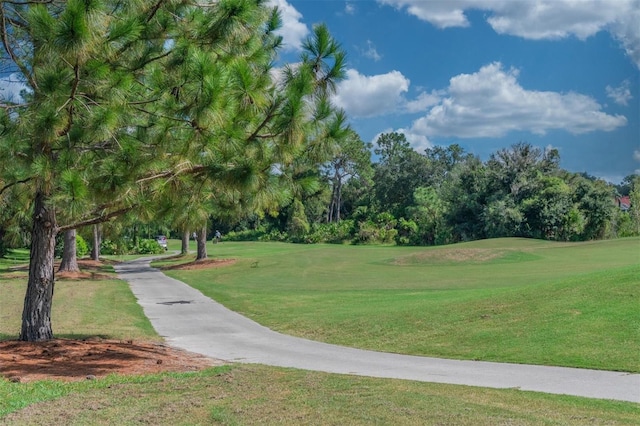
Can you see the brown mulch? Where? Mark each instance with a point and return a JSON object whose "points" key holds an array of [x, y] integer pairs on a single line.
{"points": [[70, 360]]}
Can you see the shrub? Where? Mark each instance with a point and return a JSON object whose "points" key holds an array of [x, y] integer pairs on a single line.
{"points": [[274, 235], [82, 248], [337, 232], [245, 235], [110, 247], [407, 232], [149, 247], [368, 232]]}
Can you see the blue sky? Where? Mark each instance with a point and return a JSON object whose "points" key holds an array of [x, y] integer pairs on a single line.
{"points": [[486, 74]]}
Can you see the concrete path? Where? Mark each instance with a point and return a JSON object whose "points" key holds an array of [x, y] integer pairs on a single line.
{"points": [[189, 320]]}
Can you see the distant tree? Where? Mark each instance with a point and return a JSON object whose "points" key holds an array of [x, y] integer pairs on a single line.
{"points": [[398, 173], [625, 187], [442, 161], [514, 171], [634, 210], [593, 200], [352, 161], [466, 193], [502, 218], [546, 208], [428, 213]]}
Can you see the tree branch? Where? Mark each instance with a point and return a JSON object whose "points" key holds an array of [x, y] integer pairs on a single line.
{"points": [[9, 50], [72, 95], [9, 185], [95, 220]]}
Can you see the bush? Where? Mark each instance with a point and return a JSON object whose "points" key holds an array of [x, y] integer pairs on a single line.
{"points": [[82, 248], [149, 247], [368, 232], [275, 235], [123, 246], [245, 235], [337, 233], [407, 233], [110, 247], [380, 230]]}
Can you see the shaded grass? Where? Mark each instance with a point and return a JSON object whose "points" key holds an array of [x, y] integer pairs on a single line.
{"points": [[251, 394], [104, 308], [508, 300], [81, 308]]}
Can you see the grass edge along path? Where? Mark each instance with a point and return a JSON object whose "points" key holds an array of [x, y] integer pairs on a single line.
{"points": [[578, 311]]}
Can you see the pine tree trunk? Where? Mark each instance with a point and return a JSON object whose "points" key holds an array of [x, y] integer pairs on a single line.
{"points": [[3, 247], [69, 261], [339, 201], [97, 240], [185, 242], [36, 314], [202, 243]]}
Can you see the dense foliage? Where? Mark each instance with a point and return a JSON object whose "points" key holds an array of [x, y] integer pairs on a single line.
{"points": [[446, 195]]}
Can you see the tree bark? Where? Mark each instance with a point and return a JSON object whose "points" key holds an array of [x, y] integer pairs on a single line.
{"points": [[202, 243], [36, 314], [185, 242], [97, 241], [69, 261]]}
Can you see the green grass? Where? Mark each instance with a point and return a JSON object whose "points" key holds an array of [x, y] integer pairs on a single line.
{"points": [[507, 300], [99, 307], [402, 289], [250, 394]]}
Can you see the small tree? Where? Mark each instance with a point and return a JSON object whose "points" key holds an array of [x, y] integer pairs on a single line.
{"points": [[353, 160]]}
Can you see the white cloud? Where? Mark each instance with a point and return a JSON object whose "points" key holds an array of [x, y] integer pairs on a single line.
{"points": [[621, 94], [442, 14], [371, 52], [423, 101], [539, 19], [418, 141], [627, 30], [636, 155], [349, 8], [369, 96], [491, 103], [10, 88], [293, 31]]}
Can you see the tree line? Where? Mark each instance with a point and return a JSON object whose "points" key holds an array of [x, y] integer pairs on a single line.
{"points": [[446, 195]]}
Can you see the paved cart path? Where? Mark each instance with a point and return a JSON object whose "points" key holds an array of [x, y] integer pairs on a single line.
{"points": [[189, 320]]}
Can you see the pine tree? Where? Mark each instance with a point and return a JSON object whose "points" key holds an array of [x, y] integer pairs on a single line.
{"points": [[101, 128]]}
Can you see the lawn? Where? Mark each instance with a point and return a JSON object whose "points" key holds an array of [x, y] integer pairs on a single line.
{"points": [[507, 300], [98, 307], [516, 289], [251, 394]]}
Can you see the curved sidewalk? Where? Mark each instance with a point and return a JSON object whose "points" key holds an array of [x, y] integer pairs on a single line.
{"points": [[189, 320]]}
